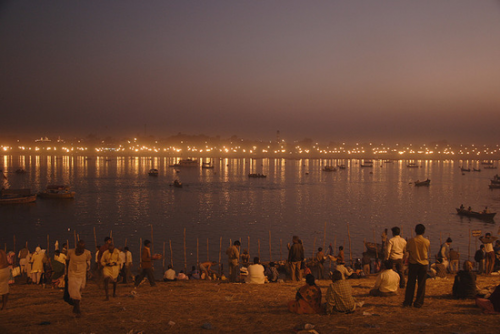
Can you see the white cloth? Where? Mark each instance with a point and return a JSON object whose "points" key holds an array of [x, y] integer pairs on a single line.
{"points": [[345, 271], [396, 248], [255, 274], [387, 281], [111, 263], [77, 272], [169, 274]]}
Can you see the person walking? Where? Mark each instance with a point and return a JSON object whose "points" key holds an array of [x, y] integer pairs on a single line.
{"points": [[418, 258], [396, 249], [320, 260], [146, 265], [78, 266], [295, 258]]}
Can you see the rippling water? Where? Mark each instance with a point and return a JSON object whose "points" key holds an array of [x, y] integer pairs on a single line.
{"points": [[297, 197]]}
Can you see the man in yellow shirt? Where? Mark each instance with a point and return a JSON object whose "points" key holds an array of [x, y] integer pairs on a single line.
{"points": [[418, 255]]}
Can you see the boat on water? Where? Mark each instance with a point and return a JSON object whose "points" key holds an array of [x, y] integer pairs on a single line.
{"points": [[494, 186], [476, 170], [485, 162], [475, 214], [16, 196], [465, 169], [256, 175], [57, 191], [490, 167], [20, 171], [329, 169], [412, 165], [366, 165], [207, 165], [177, 184], [422, 183], [186, 163], [153, 172], [341, 167]]}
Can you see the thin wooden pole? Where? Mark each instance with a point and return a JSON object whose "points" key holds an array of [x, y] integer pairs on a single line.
{"points": [[208, 253], [375, 244], [270, 248], [248, 248], [185, 257], [74, 236], [258, 240], [171, 254], [220, 252], [350, 250], [468, 257], [163, 262], [197, 251], [281, 246], [152, 240], [140, 251], [67, 243], [95, 239], [125, 243], [324, 237], [48, 245], [314, 247]]}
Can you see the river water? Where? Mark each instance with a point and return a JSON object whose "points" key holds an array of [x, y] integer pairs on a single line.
{"points": [[116, 195]]}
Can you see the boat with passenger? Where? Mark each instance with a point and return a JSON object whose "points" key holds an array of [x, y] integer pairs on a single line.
{"points": [[422, 183], [57, 191], [483, 215], [153, 172], [256, 175], [329, 169]]}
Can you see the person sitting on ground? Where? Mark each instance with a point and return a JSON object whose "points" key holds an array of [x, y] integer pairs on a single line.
{"points": [[490, 305], [387, 282], [464, 286], [438, 269], [307, 270], [195, 273], [339, 295], [308, 298], [272, 273], [255, 273], [345, 271], [169, 275], [181, 276]]}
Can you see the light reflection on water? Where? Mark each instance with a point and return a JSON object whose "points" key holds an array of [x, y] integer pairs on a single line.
{"points": [[117, 195]]}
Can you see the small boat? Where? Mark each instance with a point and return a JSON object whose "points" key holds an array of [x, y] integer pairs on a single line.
{"points": [[329, 169], [465, 169], [366, 165], [177, 184], [57, 191], [255, 175], [485, 162], [207, 165], [412, 165], [341, 167], [494, 186], [188, 163], [153, 172], [387, 161], [490, 167], [476, 170], [475, 214], [16, 196], [422, 183], [20, 171]]}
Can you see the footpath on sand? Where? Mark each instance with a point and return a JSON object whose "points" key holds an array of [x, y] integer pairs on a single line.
{"points": [[208, 306]]}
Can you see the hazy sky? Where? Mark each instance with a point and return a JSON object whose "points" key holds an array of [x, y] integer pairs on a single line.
{"points": [[331, 70]]}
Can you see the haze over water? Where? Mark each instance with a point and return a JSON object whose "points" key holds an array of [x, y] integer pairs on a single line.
{"points": [[296, 198]]}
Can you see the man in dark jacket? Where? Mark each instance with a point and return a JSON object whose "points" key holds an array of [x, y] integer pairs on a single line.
{"points": [[295, 258]]}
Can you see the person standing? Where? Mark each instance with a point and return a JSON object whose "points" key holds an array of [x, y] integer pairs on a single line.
{"points": [[295, 258], [23, 256], [454, 261], [444, 253], [4, 278], [233, 256], [487, 241], [320, 260], [418, 252], [78, 266], [146, 265], [128, 265], [37, 265], [396, 249], [479, 257], [110, 262]]}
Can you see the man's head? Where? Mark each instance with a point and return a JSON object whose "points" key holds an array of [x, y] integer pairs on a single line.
{"points": [[387, 264], [147, 243], [395, 230], [108, 240], [256, 260], [237, 243], [449, 241], [420, 229], [111, 247], [80, 246], [336, 276]]}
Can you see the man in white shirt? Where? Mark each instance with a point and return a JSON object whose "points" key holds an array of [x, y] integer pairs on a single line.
{"points": [[396, 249], [255, 273], [169, 275], [387, 282]]}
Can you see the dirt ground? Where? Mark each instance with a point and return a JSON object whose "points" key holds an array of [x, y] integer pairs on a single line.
{"points": [[215, 307]]}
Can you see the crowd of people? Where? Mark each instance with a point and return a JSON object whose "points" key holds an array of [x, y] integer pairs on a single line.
{"points": [[404, 265]]}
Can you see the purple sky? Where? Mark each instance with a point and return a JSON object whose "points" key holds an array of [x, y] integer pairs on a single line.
{"points": [[331, 70]]}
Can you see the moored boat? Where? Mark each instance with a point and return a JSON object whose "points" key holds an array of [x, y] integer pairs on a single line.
{"points": [[475, 214], [329, 169], [16, 196], [494, 186], [256, 175], [422, 183], [153, 172], [412, 165], [177, 184], [57, 191], [465, 169]]}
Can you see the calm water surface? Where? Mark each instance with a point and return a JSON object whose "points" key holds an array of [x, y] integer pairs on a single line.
{"points": [[116, 195]]}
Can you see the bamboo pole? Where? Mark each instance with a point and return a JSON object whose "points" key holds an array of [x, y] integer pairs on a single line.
{"points": [[248, 248], [48, 245], [74, 236], [220, 252], [375, 242], [258, 240], [350, 249], [314, 247], [468, 257], [208, 253], [185, 257], [281, 246], [67, 244], [152, 240], [125, 243], [163, 261], [197, 252], [95, 239], [270, 248], [140, 252], [171, 254], [78, 237], [324, 238]]}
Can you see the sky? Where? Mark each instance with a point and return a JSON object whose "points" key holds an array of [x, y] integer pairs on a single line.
{"points": [[381, 71]]}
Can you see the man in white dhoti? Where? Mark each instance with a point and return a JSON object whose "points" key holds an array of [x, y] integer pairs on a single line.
{"points": [[78, 265], [110, 262]]}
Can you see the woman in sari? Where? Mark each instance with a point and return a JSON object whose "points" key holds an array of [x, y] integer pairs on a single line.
{"points": [[308, 298]]}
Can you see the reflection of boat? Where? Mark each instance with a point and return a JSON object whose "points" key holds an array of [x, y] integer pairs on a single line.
{"points": [[254, 175], [476, 170], [329, 169], [16, 196], [207, 165], [474, 214], [20, 171], [422, 183], [153, 172], [57, 191]]}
